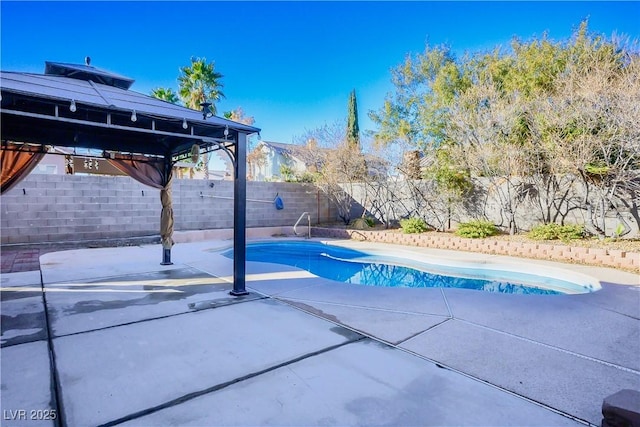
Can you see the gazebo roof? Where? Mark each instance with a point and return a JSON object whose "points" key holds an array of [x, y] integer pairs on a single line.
{"points": [[87, 72], [106, 116]]}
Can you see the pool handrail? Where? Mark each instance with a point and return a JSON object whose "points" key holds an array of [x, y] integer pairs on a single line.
{"points": [[295, 231]]}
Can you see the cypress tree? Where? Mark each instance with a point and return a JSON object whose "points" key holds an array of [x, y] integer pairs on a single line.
{"points": [[353, 131]]}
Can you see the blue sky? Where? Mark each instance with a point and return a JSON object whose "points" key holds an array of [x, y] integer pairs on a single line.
{"points": [[291, 65]]}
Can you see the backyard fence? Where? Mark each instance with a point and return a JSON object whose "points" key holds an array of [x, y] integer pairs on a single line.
{"points": [[58, 208]]}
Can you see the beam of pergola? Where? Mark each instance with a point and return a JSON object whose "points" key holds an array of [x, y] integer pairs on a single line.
{"points": [[71, 106]]}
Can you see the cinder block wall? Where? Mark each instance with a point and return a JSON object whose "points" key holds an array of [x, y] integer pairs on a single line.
{"points": [[487, 204], [58, 208]]}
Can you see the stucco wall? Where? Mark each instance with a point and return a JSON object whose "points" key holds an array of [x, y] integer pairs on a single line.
{"points": [[55, 208]]}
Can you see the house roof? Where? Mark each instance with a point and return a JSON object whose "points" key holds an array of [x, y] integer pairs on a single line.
{"points": [[103, 114], [281, 147], [290, 149], [376, 164]]}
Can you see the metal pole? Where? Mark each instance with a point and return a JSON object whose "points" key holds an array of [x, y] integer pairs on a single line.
{"points": [[240, 217], [166, 257]]}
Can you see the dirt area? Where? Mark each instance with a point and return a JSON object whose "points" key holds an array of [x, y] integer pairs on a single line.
{"points": [[628, 245]]}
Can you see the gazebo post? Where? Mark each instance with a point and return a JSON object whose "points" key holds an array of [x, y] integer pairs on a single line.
{"points": [[166, 257], [240, 216], [166, 217]]}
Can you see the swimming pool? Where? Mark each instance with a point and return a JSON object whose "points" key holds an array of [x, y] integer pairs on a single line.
{"points": [[408, 270]]}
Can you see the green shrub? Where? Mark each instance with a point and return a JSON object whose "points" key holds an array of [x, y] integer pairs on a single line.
{"points": [[307, 177], [619, 230], [557, 232], [370, 221], [476, 229], [359, 224], [572, 232], [596, 169], [413, 225], [545, 232]]}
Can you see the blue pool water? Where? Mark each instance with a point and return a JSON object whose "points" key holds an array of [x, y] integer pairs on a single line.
{"points": [[352, 266]]}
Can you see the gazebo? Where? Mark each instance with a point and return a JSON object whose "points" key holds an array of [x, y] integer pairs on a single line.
{"points": [[81, 106]]}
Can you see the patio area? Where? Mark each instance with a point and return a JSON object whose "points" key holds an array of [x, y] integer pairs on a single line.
{"points": [[117, 339]]}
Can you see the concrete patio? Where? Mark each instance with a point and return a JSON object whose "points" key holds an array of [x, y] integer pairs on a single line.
{"points": [[118, 339]]}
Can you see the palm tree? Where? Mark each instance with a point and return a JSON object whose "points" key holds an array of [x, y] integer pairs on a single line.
{"points": [[166, 94], [200, 82]]}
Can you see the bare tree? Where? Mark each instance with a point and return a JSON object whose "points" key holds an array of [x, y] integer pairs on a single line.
{"points": [[338, 166], [483, 123], [594, 134], [343, 169]]}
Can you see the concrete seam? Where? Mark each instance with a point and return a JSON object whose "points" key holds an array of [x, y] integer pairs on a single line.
{"points": [[282, 298], [161, 317], [366, 334], [6, 345], [590, 304], [291, 290], [422, 332], [444, 297], [196, 394], [56, 389], [512, 393], [440, 365], [96, 279], [561, 350]]}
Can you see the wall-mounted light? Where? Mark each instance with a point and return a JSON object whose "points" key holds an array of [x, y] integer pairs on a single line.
{"points": [[133, 116], [206, 110], [226, 132], [72, 106], [184, 124]]}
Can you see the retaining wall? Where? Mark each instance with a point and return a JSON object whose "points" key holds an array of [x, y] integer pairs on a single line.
{"points": [[59, 208], [592, 256]]}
